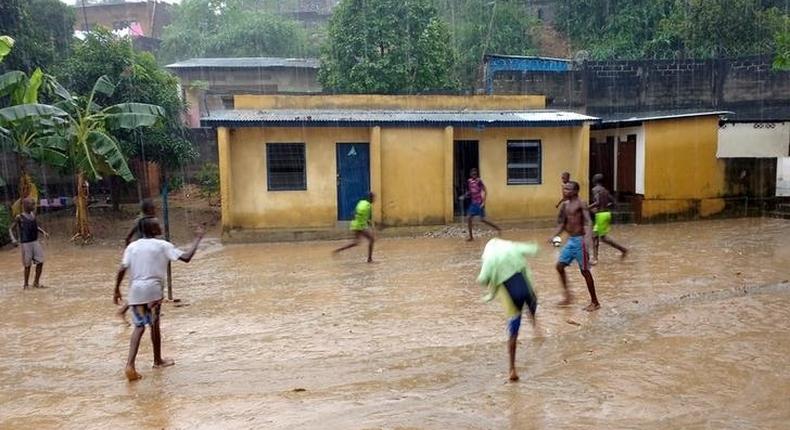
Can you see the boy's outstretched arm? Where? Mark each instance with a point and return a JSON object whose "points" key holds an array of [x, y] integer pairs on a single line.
{"points": [[187, 257]]}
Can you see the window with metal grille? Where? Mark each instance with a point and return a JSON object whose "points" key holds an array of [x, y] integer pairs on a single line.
{"points": [[523, 162], [286, 166]]}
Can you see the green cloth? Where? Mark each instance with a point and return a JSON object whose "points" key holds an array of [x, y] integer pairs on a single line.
{"points": [[503, 259], [362, 215]]}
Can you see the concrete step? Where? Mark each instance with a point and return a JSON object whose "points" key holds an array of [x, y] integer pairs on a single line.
{"points": [[778, 214]]}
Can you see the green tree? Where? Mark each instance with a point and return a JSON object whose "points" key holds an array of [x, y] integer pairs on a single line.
{"points": [[387, 46], [43, 30], [480, 27], [631, 29], [231, 28], [138, 79], [90, 148]]}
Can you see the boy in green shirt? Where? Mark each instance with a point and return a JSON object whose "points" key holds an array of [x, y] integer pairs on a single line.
{"points": [[506, 274], [361, 226]]}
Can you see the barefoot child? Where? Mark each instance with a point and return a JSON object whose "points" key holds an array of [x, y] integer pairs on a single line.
{"points": [[574, 217], [146, 260], [506, 273], [28, 229], [147, 210], [361, 226], [601, 209], [477, 206]]}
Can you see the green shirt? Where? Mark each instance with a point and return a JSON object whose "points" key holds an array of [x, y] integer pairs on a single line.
{"points": [[503, 259], [361, 216]]}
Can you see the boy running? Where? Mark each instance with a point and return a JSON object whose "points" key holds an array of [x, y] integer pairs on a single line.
{"points": [[574, 217], [147, 210], [505, 265], [28, 229], [361, 226], [602, 203], [146, 260], [477, 205]]}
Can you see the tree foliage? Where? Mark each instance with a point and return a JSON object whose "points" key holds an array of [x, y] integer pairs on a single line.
{"points": [[480, 27], [139, 79], [231, 28], [633, 29], [43, 30], [387, 46]]}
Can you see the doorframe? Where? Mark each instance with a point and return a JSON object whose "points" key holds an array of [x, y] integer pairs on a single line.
{"points": [[456, 202]]}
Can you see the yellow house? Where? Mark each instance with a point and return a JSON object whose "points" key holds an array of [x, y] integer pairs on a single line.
{"points": [[302, 162], [663, 163]]}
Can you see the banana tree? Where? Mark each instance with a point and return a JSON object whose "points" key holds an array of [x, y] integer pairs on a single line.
{"points": [[26, 126], [6, 43], [90, 148]]}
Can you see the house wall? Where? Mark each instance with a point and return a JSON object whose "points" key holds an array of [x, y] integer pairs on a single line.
{"points": [[682, 173], [412, 176], [562, 149], [411, 173], [253, 206]]}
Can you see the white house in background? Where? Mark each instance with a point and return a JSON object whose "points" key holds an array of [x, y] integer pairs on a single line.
{"points": [[765, 145]]}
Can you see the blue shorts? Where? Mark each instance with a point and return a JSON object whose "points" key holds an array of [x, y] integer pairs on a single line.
{"points": [[521, 293], [143, 315], [575, 249], [476, 210]]}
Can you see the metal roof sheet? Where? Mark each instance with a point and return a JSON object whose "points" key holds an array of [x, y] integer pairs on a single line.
{"points": [[362, 118], [246, 62], [656, 115]]}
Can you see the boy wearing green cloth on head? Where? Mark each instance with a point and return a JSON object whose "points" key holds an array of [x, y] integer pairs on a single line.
{"points": [[506, 274], [361, 226]]}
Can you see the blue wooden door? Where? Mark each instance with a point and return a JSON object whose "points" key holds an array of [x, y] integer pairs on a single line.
{"points": [[353, 177]]}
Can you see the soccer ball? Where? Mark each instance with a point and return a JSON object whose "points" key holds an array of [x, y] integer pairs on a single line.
{"points": [[556, 241]]}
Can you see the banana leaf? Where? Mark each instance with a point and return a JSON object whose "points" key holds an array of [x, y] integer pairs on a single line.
{"points": [[107, 151]]}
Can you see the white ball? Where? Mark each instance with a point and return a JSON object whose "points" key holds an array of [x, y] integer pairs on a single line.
{"points": [[556, 241]]}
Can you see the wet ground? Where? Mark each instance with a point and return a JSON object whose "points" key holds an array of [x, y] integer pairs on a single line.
{"points": [[694, 333]]}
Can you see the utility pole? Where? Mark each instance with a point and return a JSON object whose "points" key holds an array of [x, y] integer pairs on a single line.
{"points": [[85, 16]]}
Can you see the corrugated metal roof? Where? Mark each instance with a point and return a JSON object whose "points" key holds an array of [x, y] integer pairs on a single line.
{"points": [[364, 118], [246, 63], [656, 115]]}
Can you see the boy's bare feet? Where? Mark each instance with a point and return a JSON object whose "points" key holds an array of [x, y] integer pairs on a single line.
{"points": [[470, 239], [25, 287], [568, 300], [592, 307], [513, 376], [132, 374], [624, 254], [593, 262], [166, 362]]}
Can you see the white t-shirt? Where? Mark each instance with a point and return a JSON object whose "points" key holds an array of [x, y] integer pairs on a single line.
{"points": [[146, 261]]}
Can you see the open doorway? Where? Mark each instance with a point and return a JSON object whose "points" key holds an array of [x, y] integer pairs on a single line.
{"points": [[466, 157]]}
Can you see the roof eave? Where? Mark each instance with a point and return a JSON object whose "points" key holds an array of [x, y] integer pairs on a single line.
{"points": [[207, 122]]}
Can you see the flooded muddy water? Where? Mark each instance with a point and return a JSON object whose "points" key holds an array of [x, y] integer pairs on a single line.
{"points": [[694, 332]]}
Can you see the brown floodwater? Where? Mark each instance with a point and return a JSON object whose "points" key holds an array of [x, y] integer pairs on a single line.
{"points": [[694, 333]]}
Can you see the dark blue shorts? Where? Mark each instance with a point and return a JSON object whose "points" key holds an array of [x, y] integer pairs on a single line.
{"points": [[521, 294], [476, 210]]}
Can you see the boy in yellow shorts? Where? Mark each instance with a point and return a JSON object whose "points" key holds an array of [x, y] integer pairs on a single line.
{"points": [[601, 208]]}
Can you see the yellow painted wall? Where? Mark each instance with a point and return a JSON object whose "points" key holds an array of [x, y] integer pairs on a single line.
{"points": [[562, 149], [375, 101], [412, 176], [682, 172], [253, 206]]}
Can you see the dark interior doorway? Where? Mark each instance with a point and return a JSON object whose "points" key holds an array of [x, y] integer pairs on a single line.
{"points": [[466, 156], [602, 161]]}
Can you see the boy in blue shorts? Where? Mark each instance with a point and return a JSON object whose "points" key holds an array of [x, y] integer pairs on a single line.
{"points": [[574, 218], [505, 272]]}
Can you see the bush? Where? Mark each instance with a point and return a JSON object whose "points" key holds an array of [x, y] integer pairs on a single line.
{"points": [[208, 179]]}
